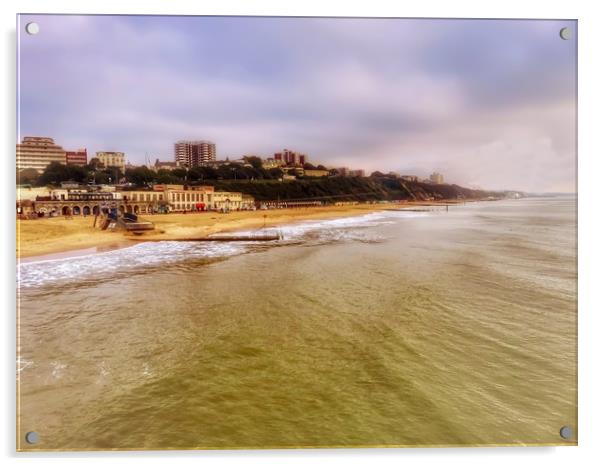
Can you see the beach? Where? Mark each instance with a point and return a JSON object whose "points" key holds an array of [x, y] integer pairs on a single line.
{"points": [[46, 236]]}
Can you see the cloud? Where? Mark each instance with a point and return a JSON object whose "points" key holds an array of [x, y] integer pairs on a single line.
{"points": [[488, 103]]}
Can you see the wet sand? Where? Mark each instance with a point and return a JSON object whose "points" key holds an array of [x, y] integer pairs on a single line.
{"points": [[52, 236]]}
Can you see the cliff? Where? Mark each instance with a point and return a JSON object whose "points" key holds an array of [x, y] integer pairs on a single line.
{"points": [[334, 189]]}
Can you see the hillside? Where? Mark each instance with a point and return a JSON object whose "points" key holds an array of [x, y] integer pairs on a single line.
{"points": [[349, 189]]}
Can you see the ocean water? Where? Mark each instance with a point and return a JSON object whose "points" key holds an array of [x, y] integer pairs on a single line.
{"points": [[388, 329]]}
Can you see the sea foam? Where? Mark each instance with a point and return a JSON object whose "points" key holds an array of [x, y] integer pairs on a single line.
{"points": [[103, 264]]}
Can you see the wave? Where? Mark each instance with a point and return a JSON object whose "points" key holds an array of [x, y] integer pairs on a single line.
{"points": [[103, 264]]}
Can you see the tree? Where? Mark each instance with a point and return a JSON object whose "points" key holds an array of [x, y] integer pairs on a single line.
{"points": [[321, 167], [140, 176], [202, 173], [255, 161], [27, 176], [100, 177], [308, 166], [94, 164], [275, 173], [164, 176], [180, 173], [56, 172]]}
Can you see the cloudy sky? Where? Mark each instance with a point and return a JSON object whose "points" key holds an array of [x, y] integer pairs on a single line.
{"points": [[487, 103]]}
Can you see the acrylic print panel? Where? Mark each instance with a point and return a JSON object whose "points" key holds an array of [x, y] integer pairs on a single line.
{"points": [[254, 232]]}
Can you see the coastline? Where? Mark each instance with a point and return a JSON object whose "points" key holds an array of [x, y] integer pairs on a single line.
{"points": [[53, 238]]}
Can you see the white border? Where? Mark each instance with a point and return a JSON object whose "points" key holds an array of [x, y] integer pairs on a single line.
{"points": [[590, 191]]}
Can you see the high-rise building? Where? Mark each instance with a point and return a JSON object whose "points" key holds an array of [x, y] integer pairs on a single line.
{"points": [[290, 157], [194, 153], [77, 157], [436, 178], [112, 159], [38, 152]]}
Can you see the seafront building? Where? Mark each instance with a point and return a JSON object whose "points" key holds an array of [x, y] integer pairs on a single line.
{"points": [[180, 198], [194, 153], [54, 202], [163, 198], [226, 201], [77, 157], [112, 159], [38, 152]]}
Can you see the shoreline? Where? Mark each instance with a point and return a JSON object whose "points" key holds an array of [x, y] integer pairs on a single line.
{"points": [[59, 238]]}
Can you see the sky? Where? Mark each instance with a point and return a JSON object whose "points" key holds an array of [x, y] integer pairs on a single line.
{"points": [[487, 103]]}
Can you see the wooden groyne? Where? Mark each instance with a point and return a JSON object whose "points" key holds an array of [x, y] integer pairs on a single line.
{"points": [[412, 210], [222, 238]]}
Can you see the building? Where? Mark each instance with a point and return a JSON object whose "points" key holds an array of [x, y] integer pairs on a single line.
{"points": [[77, 157], [72, 202], [293, 171], [358, 173], [141, 202], [289, 204], [162, 198], [343, 171], [410, 178], [436, 178], [290, 157], [30, 193], [248, 202], [316, 173], [165, 165], [38, 152], [225, 201], [271, 163], [112, 159], [180, 198], [194, 153]]}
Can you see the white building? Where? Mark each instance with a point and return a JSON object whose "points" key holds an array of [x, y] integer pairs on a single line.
{"points": [[112, 159]]}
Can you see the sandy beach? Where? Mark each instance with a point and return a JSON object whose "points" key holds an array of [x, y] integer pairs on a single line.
{"points": [[45, 236]]}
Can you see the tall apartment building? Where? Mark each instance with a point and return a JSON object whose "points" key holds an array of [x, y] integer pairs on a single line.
{"points": [[112, 159], [77, 157], [290, 157], [38, 152], [194, 153]]}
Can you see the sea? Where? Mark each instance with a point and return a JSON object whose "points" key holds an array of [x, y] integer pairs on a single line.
{"points": [[441, 327]]}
